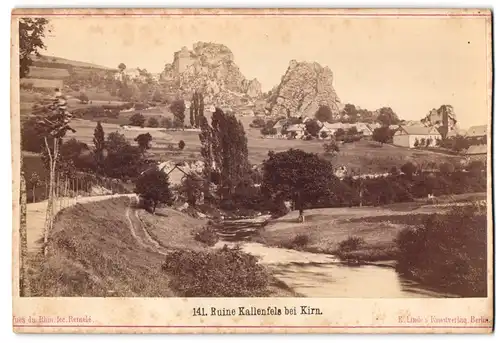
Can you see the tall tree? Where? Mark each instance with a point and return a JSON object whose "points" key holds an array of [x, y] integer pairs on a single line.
{"points": [[122, 67], [382, 134], [387, 116], [193, 110], [296, 176], [230, 151], [31, 35], [177, 108], [99, 147], [201, 110], [53, 126], [144, 141], [312, 128], [206, 140], [34, 182], [154, 187]]}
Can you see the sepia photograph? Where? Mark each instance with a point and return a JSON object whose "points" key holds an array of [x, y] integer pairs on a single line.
{"points": [[252, 154]]}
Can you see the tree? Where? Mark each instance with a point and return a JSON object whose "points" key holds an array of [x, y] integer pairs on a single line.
{"points": [[153, 122], [382, 134], [350, 110], [99, 147], [193, 110], [312, 128], [53, 126], [408, 169], [31, 36], [230, 151], [324, 114], [324, 135], [416, 143], [201, 110], [206, 150], [428, 142], [339, 134], [258, 123], [331, 148], [191, 187], [123, 160], [84, 99], [352, 131], [446, 168], [422, 142], [181, 145], [34, 181], [144, 142], [157, 96], [154, 187], [122, 67], [297, 176], [177, 108], [137, 120], [387, 116]]}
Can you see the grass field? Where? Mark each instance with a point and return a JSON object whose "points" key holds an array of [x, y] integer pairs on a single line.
{"points": [[48, 73], [93, 252], [367, 156], [42, 83], [326, 228]]}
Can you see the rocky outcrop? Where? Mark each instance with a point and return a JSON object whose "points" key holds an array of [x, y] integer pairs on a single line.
{"points": [[210, 68], [304, 87]]}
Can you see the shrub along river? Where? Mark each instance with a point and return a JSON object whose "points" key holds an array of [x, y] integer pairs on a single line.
{"points": [[323, 275]]}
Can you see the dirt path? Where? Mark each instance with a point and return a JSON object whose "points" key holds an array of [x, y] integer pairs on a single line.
{"points": [[36, 215], [138, 230]]}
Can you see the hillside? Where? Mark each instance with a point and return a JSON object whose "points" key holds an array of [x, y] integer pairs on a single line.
{"points": [[58, 62]]}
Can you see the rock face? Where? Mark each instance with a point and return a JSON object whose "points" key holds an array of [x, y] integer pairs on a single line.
{"points": [[210, 68], [304, 87]]}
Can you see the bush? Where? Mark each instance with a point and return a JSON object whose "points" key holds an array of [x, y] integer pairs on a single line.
{"points": [[298, 242], [153, 122], [351, 243], [224, 272], [206, 235], [448, 251], [181, 145]]}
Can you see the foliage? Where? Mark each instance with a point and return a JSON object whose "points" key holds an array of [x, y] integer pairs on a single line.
{"points": [[99, 147], [446, 168], [224, 272], [268, 131], [258, 123], [387, 116], [324, 114], [298, 242], [448, 251], [153, 122], [382, 134], [191, 188], [137, 120], [351, 243], [297, 176], [331, 147], [181, 145], [177, 108], [408, 169], [84, 99], [122, 67], [154, 187], [206, 235], [31, 36], [123, 160], [230, 151], [456, 143], [312, 128], [144, 141], [324, 135]]}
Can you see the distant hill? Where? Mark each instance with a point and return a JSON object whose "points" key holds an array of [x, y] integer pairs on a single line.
{"points": [[64, 63]]}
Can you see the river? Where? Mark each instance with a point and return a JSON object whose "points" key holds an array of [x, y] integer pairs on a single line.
{"points": [[322, 275]]}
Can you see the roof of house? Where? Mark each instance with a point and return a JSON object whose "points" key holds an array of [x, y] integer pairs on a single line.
{"points": [[418, 130], [280, 123], [336, 126], [480, 130], [296, 127], [477, 150]]}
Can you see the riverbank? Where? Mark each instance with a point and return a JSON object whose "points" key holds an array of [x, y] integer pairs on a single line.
{"points": [[354, 234]]}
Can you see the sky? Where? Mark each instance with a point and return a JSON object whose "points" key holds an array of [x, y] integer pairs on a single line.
{"points": [[412, 64]]}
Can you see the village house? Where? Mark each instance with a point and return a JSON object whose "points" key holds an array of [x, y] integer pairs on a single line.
{"points": [[364, 129], [406, 136], [477, 131], [280, 124], [297, 131]]}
